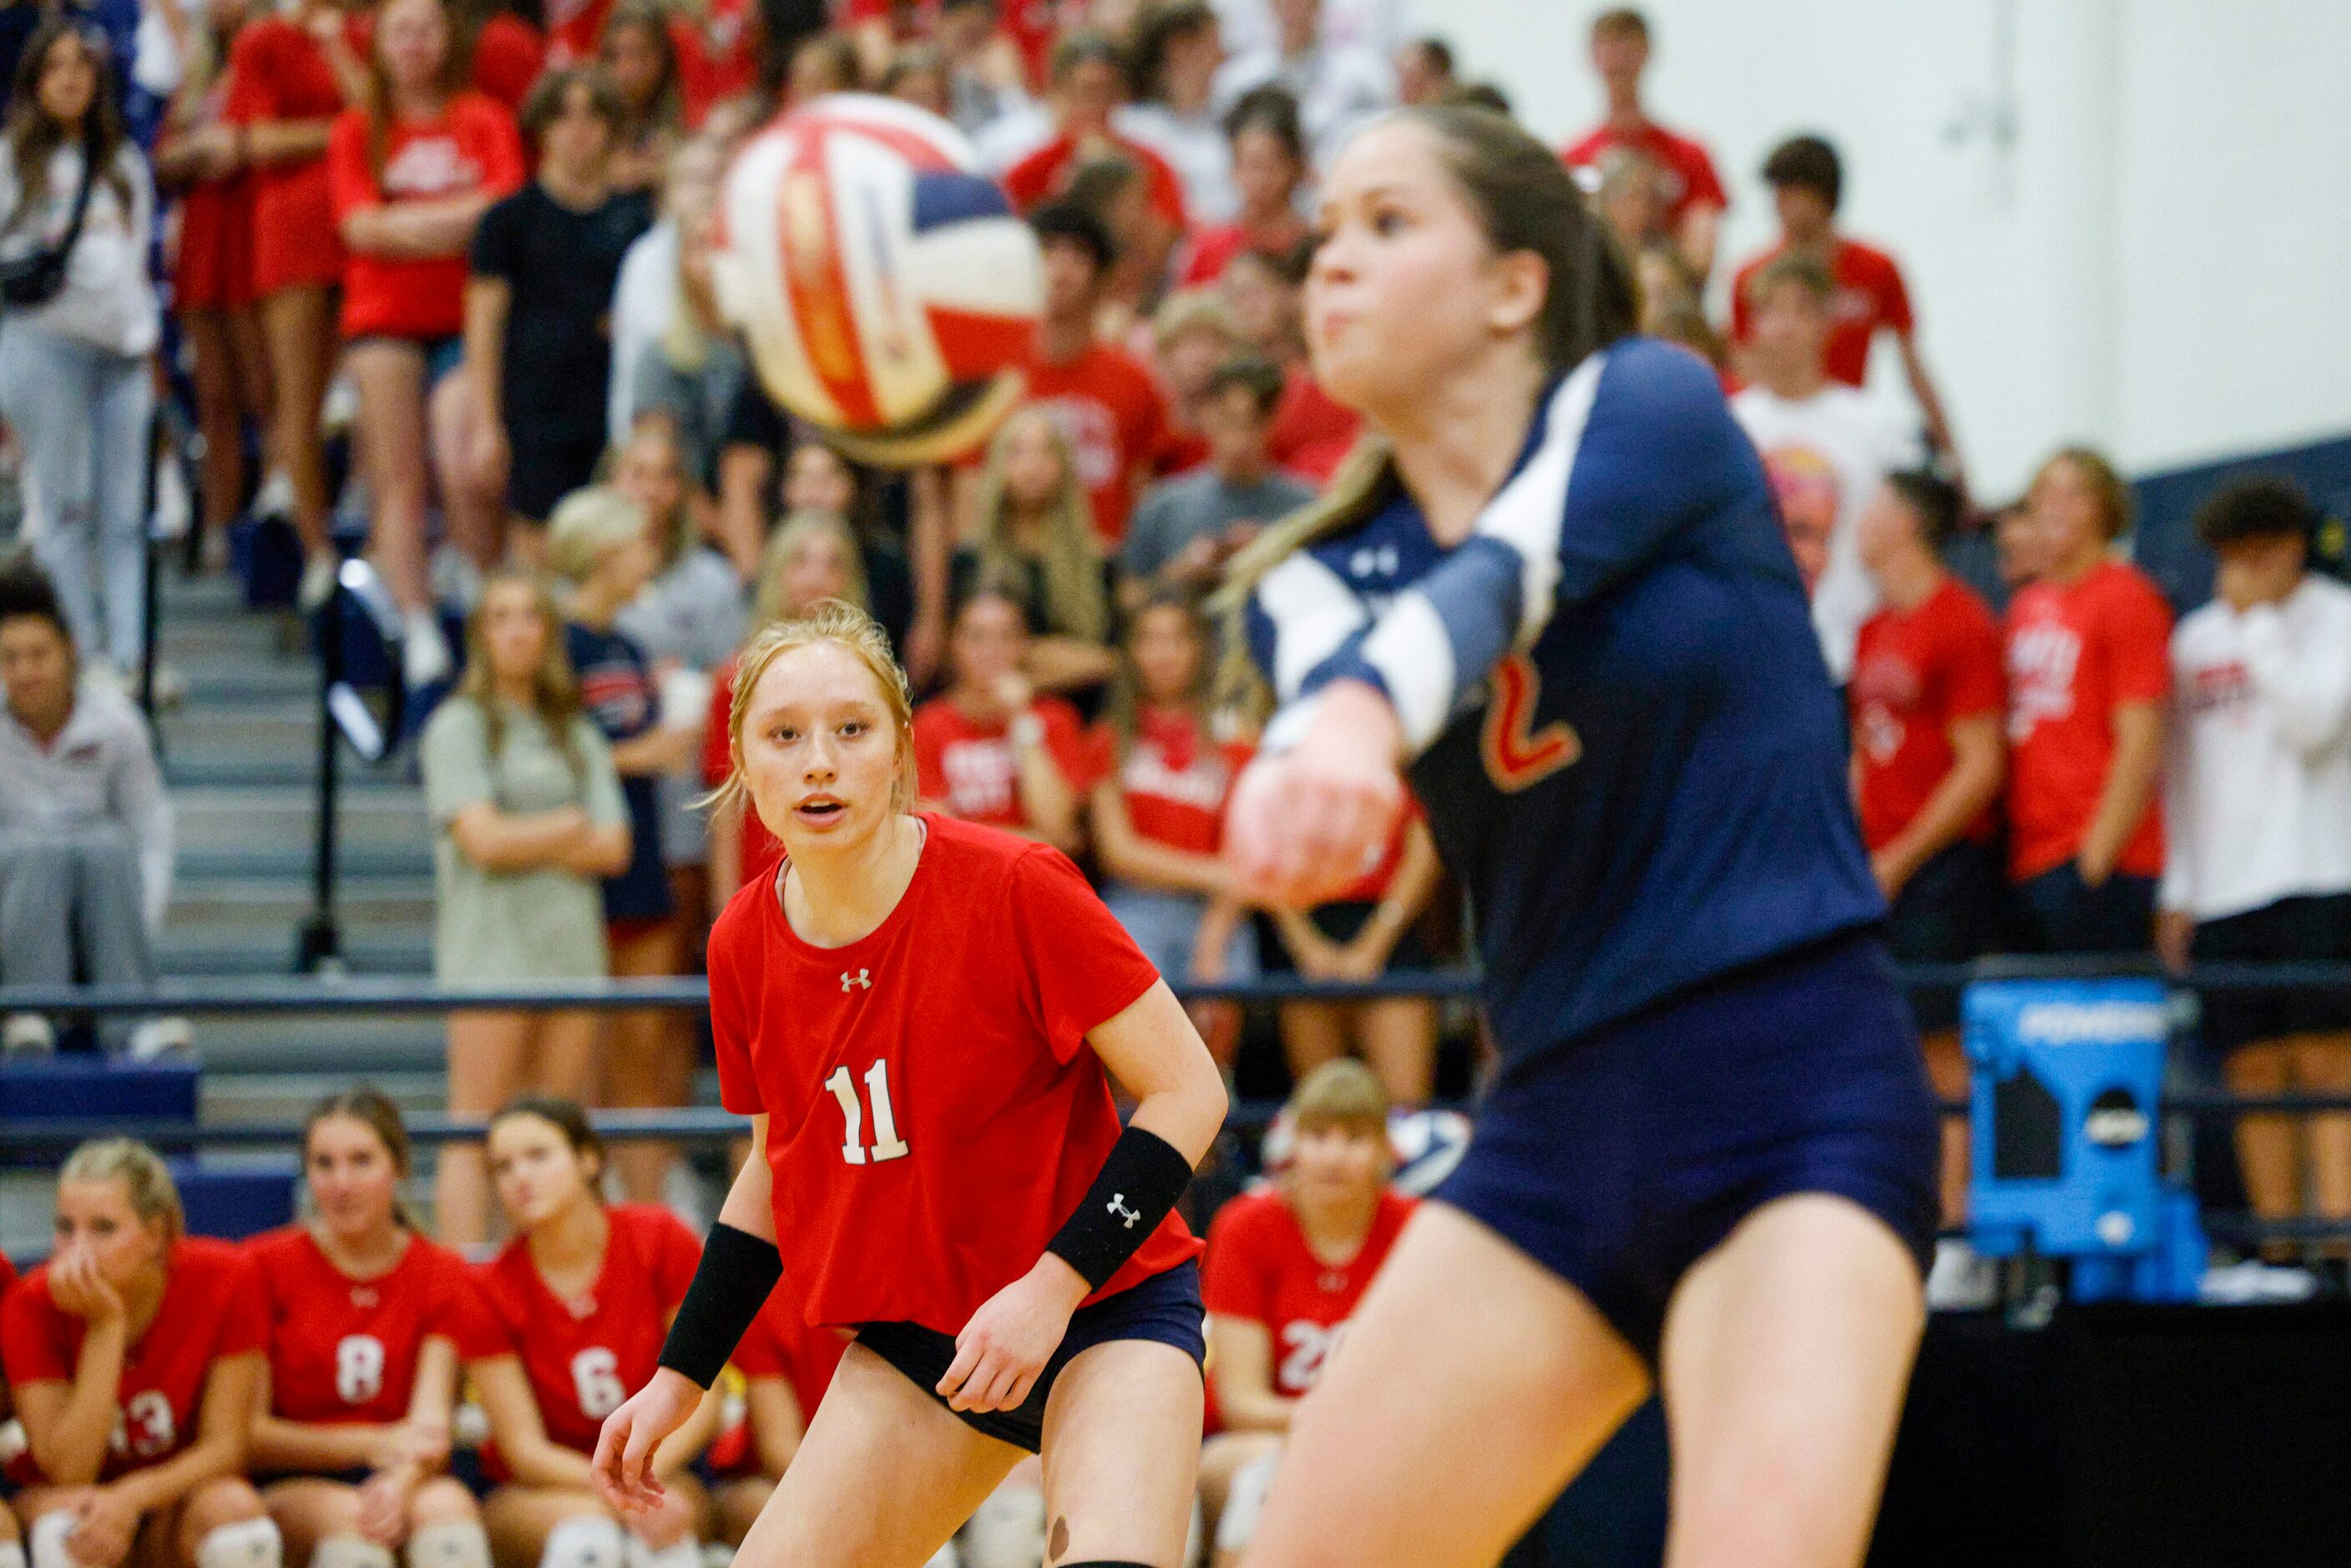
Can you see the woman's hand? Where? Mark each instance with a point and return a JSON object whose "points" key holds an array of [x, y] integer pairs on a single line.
{"points": [[383, 1503], [1305, 824], [623, 1464], [670, 1521], [104, 1527], [81, 1291], [1004, 1348]]}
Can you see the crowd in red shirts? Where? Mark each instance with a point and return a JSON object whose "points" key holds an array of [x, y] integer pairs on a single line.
{"points": [[431, 208]]}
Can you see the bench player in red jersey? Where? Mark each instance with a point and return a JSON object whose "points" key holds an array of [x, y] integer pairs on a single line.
{"points": [[368, 1322], [582, 1295], [134, 1355], [922, 1017], [1286, 1266]]}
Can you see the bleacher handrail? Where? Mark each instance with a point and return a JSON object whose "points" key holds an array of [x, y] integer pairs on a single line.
{"points": [[420, 994]]}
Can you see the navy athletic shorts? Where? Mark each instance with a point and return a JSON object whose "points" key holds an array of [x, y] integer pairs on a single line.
{"points": [[1620, 1158], [1164, 1309]]}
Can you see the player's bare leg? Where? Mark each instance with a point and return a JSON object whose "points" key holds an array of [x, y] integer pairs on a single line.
{"points": [[883, 1478], [1121, 1447], [1786, 1353], [310, 1509], [1463, 1346], [1785, 1359]]}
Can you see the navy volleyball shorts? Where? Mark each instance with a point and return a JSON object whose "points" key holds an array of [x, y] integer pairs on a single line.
{"points": [[1620, 1159], [1164, 1309]]}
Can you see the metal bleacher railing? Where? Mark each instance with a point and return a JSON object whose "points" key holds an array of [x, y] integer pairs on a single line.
{"points": [[381, 995]]}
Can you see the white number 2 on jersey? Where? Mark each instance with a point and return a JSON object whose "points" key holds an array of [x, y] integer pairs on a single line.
{"points": [[359, 1368], [595, 1375], [887, 1145]]}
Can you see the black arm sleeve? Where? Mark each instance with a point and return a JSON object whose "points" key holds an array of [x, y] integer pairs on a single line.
{"points": [[730, 1285], [1138, 1184]]}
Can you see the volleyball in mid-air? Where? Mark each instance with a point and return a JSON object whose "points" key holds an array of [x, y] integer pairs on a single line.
{"points": [[885, 289]]}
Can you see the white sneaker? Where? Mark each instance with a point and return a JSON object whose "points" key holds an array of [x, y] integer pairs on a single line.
{"points": [[1961, 1280], [2253, 1281], [318, 584], [276, 496], [27, 1034], [424, 655], [159, 1038]]}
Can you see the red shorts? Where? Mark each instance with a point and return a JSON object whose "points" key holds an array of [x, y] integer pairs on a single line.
{"points": [[213, 269], [295, 241]]}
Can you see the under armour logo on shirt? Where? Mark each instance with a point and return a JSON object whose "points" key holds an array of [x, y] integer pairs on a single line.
{"points": [[862, 979], [1117, 1205]]}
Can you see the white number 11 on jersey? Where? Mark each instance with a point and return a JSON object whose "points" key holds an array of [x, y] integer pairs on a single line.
{"points": [[887, 1143]]}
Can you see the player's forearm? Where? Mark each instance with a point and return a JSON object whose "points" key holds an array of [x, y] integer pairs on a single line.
{"points": [[207, 1458], [547, 1463], [1047, 800], [71, 1447], [303, 1446], [2130, 783], [1958, 801], [286, 140], [681, 1448], [750, 1205], [1255, 1409]]}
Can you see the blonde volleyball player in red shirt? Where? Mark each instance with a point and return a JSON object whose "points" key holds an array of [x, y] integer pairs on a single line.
{"points": [[922, 1017], [134, 1355]]}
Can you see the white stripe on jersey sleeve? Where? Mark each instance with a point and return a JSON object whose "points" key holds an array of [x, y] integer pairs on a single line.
{"points": [[1531, 509], [1413, 651], [1313, 613]]}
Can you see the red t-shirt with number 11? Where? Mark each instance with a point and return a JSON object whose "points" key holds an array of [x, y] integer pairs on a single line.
{"points": [[934, 1112]]}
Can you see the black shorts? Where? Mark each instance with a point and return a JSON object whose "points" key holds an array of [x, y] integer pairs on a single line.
{"points": [[1948, 913], [1341, 922], [1619, 1159], [2315, 929], [1164, 1309], [2060, 913], [541, 471]]}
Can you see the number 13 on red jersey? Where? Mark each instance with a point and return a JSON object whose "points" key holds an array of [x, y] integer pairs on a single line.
{"points": [[887, 1145]]}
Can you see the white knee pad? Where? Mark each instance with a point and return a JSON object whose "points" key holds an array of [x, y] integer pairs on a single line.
{"points": [[452, 1544], [686, 1553], [350, 1552], [44, 1543], [1007, 1530], [945, 1557], [585, 1541], [12, 1554], [1195, 1531], [1244, 1502], [254, 1543]]}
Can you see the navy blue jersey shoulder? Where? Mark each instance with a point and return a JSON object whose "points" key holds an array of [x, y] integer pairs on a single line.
{"points": [[1656, 792]]}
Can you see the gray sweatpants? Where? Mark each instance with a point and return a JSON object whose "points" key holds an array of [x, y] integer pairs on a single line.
{"points": [[63, 891]]}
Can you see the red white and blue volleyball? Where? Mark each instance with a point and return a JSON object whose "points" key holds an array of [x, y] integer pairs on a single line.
{"points": [[886, 289]]}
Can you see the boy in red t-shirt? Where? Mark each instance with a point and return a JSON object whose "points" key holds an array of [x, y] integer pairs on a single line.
{"points": [[1286, 1266], [1807, 180], [1926, 698], [2088, 672], [991, 748], [1102, 397], [1694, 194]]}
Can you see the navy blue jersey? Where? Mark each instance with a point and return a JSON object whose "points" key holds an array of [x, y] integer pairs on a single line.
{"points": [[1624, 736]]}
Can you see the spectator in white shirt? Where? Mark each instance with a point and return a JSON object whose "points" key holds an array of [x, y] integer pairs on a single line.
{"points": [[1177, 52], [84, 826], [2257, 814], [1338, 85], [1826, 448], [1378, 26]]}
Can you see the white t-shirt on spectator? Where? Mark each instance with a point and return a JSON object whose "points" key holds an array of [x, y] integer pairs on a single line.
{"points": [[1338, 87], [1379, 26], [1012, 136], [2257, 787], [1826, 454], [643, 296], [1196, 148]]}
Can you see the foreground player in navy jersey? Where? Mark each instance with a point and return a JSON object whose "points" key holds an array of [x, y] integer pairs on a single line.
{"points": [[1559, 596]]}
